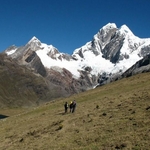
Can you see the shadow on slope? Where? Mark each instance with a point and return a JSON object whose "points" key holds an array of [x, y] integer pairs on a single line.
{"points": [[3, 116]]}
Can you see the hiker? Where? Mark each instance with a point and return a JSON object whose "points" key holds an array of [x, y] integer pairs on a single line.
{"points": [[73, 106], [66, 107]]}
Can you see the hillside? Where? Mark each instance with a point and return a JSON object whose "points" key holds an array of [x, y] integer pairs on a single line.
{"points": [[114, 116], [21, 86]]}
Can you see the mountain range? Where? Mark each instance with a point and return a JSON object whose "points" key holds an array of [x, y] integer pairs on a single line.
{"points": [[47, 74]]}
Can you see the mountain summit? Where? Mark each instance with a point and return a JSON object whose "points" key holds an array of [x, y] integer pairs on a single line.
{"points": [[112, 51]]}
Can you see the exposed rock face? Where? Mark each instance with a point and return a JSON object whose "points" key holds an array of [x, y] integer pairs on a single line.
{"points": [[140, 67], [103, 37], [112, 50], [63, 79], [26, 56], [35, 63], [145, 51]]}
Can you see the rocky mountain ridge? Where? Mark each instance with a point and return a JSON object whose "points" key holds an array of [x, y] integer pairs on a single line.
{"points": [[110, 53], [119, 48]]}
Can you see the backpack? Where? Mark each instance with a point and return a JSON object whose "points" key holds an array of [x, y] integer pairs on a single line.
{"points": [[66, 105]]}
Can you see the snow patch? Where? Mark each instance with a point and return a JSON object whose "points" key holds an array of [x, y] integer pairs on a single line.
{"points": [[11, 52]]}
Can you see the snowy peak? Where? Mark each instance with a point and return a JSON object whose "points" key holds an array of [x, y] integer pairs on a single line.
{"points": [[98, 43], [111, 44], [125, 30], [34, 43], [108, 39], [109, 26], [34, 40]]}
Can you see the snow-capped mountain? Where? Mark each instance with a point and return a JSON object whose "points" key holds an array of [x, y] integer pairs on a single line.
{"points": [[112, 50]]}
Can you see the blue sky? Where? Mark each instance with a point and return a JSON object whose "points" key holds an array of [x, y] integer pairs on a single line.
{"points": [[68, 24]]}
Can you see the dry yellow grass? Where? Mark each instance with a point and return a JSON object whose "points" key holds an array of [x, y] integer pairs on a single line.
{"points": [[114, 116]]}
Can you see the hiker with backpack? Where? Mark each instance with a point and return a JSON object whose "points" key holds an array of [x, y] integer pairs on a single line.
{"points": [[66, 107], [73, 106]]}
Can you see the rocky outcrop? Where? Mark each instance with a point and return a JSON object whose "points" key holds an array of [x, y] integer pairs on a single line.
{"points": [[65, 82], [145, 51], [35, 63], [112, 50], [140, 67]]}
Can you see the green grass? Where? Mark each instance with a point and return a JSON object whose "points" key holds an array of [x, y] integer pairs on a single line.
{"points": [[110, 117]]}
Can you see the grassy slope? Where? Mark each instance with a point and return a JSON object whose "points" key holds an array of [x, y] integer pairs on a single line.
{"points": [[110, 117]]}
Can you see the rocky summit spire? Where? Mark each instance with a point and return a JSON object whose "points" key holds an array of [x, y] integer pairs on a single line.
{"points": [[34, 40]]}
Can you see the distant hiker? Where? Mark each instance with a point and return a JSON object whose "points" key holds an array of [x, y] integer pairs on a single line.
{"points": [[66, 107], [73, 106]]}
